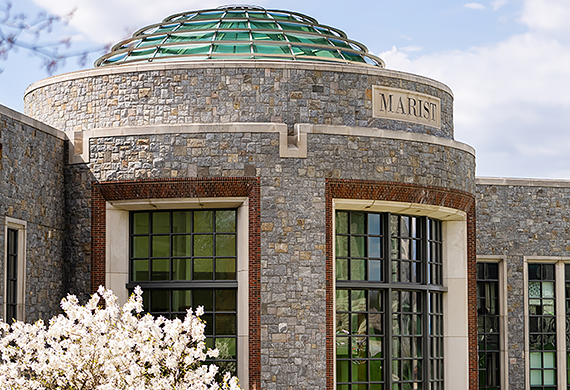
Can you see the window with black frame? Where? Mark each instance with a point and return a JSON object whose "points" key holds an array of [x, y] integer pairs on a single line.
{"points": [[389, 314], [542, 326], [488, 326], [12, 276], [188, 258]]}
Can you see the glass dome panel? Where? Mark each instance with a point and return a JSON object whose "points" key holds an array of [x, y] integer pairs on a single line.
{"points": [[296, 27], [151, 41], [193, 36], [182, 50], [271, 49], [233, 36], [239, 32], [258, 15], [264, 25], [233, 25], [207, 15], [198, 26], [235, 15], [267, 36], [221, 48], [307, 39]]}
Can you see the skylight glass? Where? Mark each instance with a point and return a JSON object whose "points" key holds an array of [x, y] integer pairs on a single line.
{"points": [[239, 33]]}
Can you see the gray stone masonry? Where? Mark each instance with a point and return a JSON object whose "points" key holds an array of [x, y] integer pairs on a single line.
{"points": [[31, 189], [516, 221], [223, 95], [293, 221]]}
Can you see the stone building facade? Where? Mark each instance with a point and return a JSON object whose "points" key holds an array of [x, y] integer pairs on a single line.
{"points": [[321, 211]]}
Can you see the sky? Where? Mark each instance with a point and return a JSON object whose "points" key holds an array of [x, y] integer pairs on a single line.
{"points": [[507, 62]]}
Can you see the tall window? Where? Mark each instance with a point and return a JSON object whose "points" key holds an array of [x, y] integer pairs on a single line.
{"points": [[542, 325], [389, 316], [187, 258], [488, 325], [567, 285], [12, 276]]}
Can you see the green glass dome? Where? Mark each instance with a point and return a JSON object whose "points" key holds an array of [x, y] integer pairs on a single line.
{"points": [[239, 33]]}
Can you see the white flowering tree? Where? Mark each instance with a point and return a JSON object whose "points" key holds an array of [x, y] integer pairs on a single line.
{"points": [[106, 347]]}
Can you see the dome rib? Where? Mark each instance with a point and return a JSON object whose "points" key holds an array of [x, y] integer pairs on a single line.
{"points": [[239, 32]]}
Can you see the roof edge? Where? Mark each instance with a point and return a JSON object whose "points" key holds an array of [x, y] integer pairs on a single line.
{"points": [[120, 69], [521, 182]]}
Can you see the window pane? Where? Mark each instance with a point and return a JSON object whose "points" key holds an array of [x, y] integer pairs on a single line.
{"points": [[225, 245], [181, 269], [182, 222], [181, 300], [225, 269], [203, 269], [140, 247], [182, 245], [204, 245], [140, 223], [226, 221], [161, 222], [161, 246], [160, 269], [203, 221]]}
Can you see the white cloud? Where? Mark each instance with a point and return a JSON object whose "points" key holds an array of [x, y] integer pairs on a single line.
{"points": [[511, 102], [474, 5], [547, 16], [119, 18], [498, 4]]}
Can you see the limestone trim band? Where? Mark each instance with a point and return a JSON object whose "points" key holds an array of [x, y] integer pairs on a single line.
{"points": [[289, 146], [26, 120], [217, 64], [510, 181]]}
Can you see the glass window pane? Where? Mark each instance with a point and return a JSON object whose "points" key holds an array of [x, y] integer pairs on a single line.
{"points": [[342, 300], [225, 269], [203, 221], [225, 324], [140, 270], [342, 246], [549, 377], [548, 289], [181, 300], [358, 300], [226, 347], [159, 300], [341, 222], [226, 221], [375, 271], [161, 246], [549, 359], [341, 269], [358, 269], [357, 246], [182, 245], [160, 269], [182, 222], [161, 222], [226, 300], [343, 371], [140, 246], [140, 223], [374, 247], [204, 297], [204, 245], [357, 222], [181, 269], [203, 269], [225, 245], [342, 347]]}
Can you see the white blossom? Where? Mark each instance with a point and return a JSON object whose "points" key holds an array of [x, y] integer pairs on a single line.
{"points": [[102, 346]]}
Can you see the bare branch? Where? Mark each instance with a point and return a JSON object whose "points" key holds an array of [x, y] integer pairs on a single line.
{"points": [[19, 31]]}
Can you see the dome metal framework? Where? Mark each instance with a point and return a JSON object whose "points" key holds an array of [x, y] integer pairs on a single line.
{"points": [[239, 33]]}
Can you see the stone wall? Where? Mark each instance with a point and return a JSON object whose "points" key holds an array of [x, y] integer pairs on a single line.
{"points": [[31, 173], [222, 92], [517, 218]]}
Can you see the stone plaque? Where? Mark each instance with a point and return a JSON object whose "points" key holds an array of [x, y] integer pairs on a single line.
{"points": [[408, 106]]}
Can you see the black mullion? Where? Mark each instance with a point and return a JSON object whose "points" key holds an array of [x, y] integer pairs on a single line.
{"points": [[424, 280]]}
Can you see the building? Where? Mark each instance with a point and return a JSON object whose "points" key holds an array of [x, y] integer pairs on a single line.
{"points": [[317, 204]]}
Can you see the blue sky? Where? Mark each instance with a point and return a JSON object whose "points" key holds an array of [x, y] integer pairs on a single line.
{"points": [[506, 61]]}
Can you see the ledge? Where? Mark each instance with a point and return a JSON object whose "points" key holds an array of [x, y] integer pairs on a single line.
{"points": [[521, 182], [26, 120], [217, 64]]}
